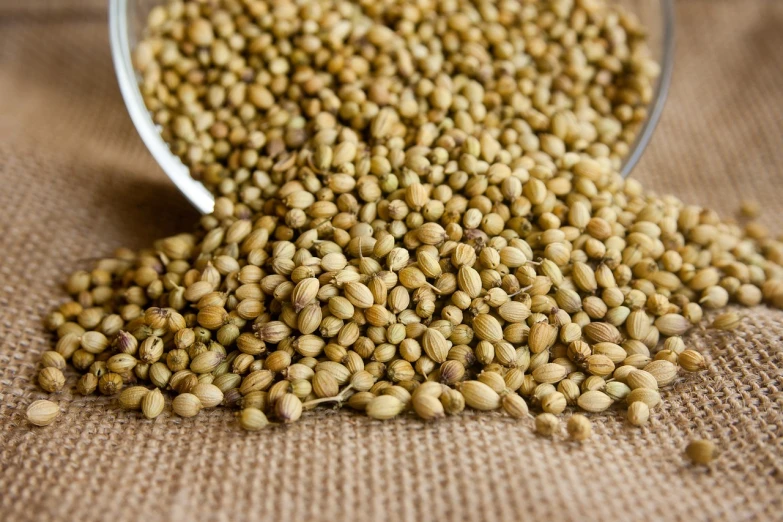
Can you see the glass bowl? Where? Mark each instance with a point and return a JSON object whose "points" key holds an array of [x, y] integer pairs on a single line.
{"points": [[127, 19]]}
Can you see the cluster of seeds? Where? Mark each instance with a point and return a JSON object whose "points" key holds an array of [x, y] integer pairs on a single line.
{"points": [[418, 210], [235, 85]]}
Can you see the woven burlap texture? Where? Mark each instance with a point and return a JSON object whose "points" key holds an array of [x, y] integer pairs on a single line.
{"points": [[77, 182]]}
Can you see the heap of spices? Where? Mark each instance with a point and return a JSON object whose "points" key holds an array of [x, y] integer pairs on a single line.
{"points": [[418, 209]]}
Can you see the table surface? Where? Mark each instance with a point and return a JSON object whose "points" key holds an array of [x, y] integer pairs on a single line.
{"points": [[77, 182]]}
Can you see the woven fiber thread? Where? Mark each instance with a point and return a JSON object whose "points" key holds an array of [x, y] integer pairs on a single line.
{"points": [[77, 182]]}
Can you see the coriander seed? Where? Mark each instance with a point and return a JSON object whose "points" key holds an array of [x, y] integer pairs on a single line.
{"points": [[42, 412]]}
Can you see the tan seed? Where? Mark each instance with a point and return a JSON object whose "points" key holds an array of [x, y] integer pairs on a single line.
{"points": [[638, 413], [252, 419], [547, 424], [594, 401], [186, 405], [152, 404], [579, 427], [384, 407], [42, 412], [427, 407], [130, 398], [701, 452], [479, 396]]}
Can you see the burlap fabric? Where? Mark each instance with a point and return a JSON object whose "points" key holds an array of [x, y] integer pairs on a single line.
{"points": [[77, 181]]}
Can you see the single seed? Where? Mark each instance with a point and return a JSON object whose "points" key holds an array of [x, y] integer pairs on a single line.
{"points": [[152, 404], [579, 427], [42, 412], [186, 405], [515, 406], [384, 407], [427, 407], [594, 401], [547, 424], [131, 398], [691, 361], [638, 413], [51, 379], [252, 419], [479, 396], [701, 452]]}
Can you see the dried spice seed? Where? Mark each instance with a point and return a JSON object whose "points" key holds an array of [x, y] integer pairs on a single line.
{"points": [[152, 404], [579, 427], [42, 412], [131, 398], [186, 405], [638, 413], [515, 406], [547, 424], [252, 419], [51, 379], [594, 401], [384, 407], [691, 361], [427, 407], [479, 396], [701, 452]]}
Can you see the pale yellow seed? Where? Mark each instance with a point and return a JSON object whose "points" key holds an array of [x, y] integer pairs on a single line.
{"points": [[547, 424], [638, 413], [384, 407], [152, 404], [479, 396], [594, 401], [130, 398], [427, 407], [42, 412], [252, 419], [579, 427], [515, 406], [186, 405]]}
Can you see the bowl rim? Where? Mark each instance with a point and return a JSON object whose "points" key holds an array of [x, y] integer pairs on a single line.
{"points": [[204, 200], [666, 62], [193, 190]]}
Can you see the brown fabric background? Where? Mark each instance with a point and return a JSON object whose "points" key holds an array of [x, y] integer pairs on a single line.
{"points": [[77, 181]]}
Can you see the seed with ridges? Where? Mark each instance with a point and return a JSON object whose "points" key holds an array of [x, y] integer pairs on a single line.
{"points": [[186, 405], [427, 406], [152, 404], [594, 401], [638, 413], [650, 397], [384, 407], [42, 412], [547, 424], [515, 406], [664, 372], [487, 328], [550, 373], [130, 398], [579, 427], [479, 396], [252, 419]]}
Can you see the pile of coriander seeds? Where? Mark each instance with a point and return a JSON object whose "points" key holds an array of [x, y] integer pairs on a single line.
{"points": [[417, 209]]}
